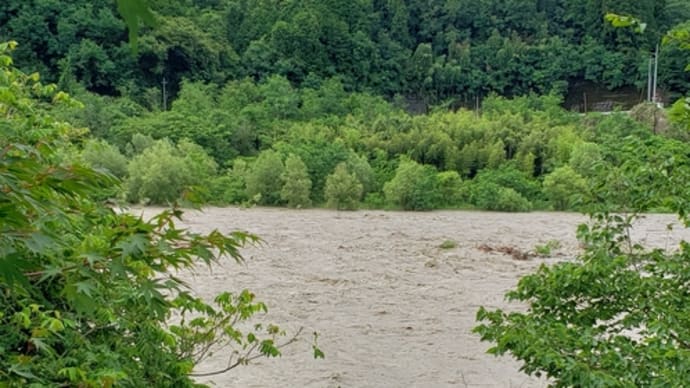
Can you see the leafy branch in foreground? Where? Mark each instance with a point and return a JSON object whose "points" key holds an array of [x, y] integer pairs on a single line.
{"points": [[88, 295], [620, 21], [619, 314], [134, 11]]}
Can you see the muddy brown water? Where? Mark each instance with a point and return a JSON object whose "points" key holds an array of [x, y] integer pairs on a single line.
{"points": [[392, 308]]}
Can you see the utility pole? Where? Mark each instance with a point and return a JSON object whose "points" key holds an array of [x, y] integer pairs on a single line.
{"points": [[649, 80], [656, 73], [165, 97]]}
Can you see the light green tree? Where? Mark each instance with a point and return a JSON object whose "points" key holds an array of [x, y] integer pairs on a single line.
{"points": [[343, 190], [158, 175], [585, 158], [362, 169], [414, 187], [563, 187], [297, 186], [164, 173], [101, 154], [264, 180], [450, 188]]}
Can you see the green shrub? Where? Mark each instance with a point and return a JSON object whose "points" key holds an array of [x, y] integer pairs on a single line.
{"points": [[102, 155], [157, 175], [374, 200], [264, 180], [563, 186], [359, 166], [138, 144], [200, 164], [218, 186], [511, 177], [679, 117], [414, 187], [343, 190], [483, 195], [450, 188], [162, 173], [510, 200], [491, 196], [489, 190], [613, 129], [297, 185], [231, 187], [585, 157]]}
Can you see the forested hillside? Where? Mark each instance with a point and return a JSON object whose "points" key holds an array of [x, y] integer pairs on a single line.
{"points": [[430, 51]]}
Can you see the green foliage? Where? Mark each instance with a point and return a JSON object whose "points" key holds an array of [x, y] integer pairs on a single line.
{"points": [[244, 78], [375, 200], [138, 144], [448, 244], [100, 114], [321, 155], [343, 190], [509, 200], [297, 187], [679, 113], [450, 188], [546, 250], [102, 155], [363, 171], [617, 315], [264, 180], [625, 21], [491, 196], [231, 187], [164, 173], [585, 158], [509, 177], [133, 11], [87, 293], [200, 164], [328, 99], [563, 187], [434, 52], [414, 187]]}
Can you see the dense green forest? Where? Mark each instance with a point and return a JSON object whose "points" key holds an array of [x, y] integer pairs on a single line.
{"points": [[430, 51], [242, 97], [235, 143], [306, 103]]}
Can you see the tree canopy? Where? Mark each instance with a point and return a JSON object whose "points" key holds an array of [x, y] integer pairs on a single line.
{"points": [[427, 50]]}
